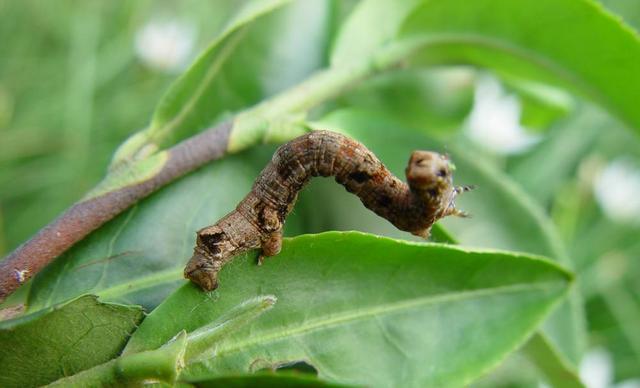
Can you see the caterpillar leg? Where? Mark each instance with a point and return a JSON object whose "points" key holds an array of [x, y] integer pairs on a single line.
{"points": [[424, 233], [452, 211], [271, 245]]}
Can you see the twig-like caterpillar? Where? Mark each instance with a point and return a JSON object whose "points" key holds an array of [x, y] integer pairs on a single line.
{"points": [[258, 220]]}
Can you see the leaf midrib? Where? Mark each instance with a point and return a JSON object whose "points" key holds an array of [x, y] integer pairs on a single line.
{"points": [[159, 277], [379, 310]]}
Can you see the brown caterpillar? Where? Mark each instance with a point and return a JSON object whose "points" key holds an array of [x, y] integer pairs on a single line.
{"points": [[258, 220]]}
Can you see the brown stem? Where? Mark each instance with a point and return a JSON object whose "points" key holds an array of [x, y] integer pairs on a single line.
{"points": [[86, 216]]}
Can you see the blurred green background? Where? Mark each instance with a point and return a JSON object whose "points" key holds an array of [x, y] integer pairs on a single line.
{"points": [[78, 77], [71, 90]]}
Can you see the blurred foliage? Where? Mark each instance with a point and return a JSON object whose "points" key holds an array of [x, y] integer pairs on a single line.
{"points": [[72, 89]]}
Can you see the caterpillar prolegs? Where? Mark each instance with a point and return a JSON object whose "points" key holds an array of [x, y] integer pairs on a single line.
{"points": [[258, 219]]}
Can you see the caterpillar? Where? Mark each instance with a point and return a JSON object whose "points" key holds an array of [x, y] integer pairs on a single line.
{"points": [[258, 220]]}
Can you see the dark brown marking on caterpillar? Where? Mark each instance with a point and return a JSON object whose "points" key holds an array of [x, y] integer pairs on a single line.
{"points": [[258, 219]]}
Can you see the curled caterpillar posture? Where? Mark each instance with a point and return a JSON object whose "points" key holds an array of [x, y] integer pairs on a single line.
{"points": [[258, 220]]}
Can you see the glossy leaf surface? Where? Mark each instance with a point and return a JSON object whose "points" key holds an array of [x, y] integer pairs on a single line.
{"points": [[344, 297], [63, 340], [503, 215], [543, 40]]}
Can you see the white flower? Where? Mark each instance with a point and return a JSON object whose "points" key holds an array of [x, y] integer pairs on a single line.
{"points": [[165, 45], [596, 369], [494, 121], [631, 383], [617, 191]]}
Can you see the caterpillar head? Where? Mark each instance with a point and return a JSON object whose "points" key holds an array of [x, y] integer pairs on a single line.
{"points": [[430, 172], [212, 247], [430, 176]]}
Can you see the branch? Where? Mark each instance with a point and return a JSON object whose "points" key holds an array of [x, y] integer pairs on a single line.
{"points": [[86, 216], [246, 129]]}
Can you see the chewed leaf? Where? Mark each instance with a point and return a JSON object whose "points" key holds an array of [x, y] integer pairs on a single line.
{"points": [[264, 380]]}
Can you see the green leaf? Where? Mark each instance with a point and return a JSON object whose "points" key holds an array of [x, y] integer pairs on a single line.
{"points": [[545, 170], [202, 340], [138, 257], [185, 99], [242, 66], [159, 365], [345, 297], [613, 317], [436, 100], [166, 362], [129, 174], [193, 101], [503, 216], [371, 25], [629, 11], [573, 43], [549, 363], [542, 105], [440, 234], [63, 340]]}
